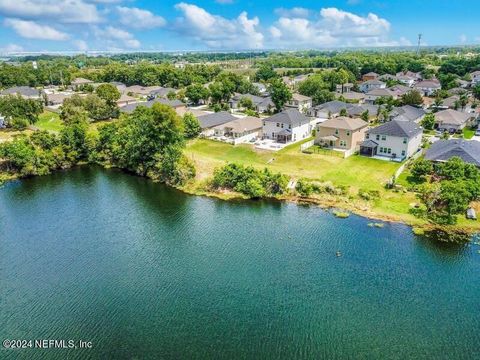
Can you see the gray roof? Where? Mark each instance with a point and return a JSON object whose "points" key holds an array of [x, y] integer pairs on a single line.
{"points": [[162, 92], [467, 150], [131, 107], [369, 143], [409, 112], [292, 117], [397, 128], [333, 106], [22, 90], [255, 99], [215, 119]]}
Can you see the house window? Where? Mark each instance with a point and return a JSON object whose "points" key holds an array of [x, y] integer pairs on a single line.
{"points": [[404, 140], [264, 123], [384, 137], [378, 137], [278, 124], [343, 143], [381, 150], [403, 152], [348, 133], [289, 126], [281, 125], [367, 136], [336, 131], [389, 151]]}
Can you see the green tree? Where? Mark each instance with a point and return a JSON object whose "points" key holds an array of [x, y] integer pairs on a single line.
{"points": [[246, 103], [196, 93], [413, 97], [476, 91], [19, 111], [191, 126], [265, 73], [365, 116], [279, 93], [428, 121], [421, 168]]}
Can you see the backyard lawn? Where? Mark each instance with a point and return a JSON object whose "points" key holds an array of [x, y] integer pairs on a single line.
{"points": [[49, 121], [356, 172]]}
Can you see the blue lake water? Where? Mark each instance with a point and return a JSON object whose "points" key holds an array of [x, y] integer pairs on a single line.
{"points": [[144, 271]]}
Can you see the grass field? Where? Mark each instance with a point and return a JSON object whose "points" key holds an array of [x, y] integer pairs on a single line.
{"points": [[49, 121], [356, 172]]}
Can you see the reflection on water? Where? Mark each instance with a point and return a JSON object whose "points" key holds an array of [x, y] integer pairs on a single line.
{"points": [[145, 271]]}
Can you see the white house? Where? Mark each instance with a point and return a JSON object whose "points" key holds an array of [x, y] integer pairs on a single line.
{"points": [[395, 139], [475, 77], [288, 126], [369, 85], [427, 87]]}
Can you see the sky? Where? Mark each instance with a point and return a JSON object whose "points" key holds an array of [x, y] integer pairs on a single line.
{"points": [[216, 25]]}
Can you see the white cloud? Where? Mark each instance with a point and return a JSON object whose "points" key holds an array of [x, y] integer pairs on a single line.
{"points": [[139, 18], [332, 27], [297, 12], [11, 48], [223, 2], [116, 38], [81, 45], [218, 32], [463, 38], [32, 30], [65, 11]]}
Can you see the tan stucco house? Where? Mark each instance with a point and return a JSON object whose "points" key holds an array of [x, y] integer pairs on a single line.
{"points": [[341, 133]]}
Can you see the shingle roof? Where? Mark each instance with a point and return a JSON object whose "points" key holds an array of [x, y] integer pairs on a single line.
{"points": [[343, 122], [215, 119], [22, 90], [452, 117], [397, 128], [467, 150], [381, 92], [409, 112], [292, 117], [373, 82], [131, 107], [333, 106], [300, 97], [430, 84], [243, 124]]}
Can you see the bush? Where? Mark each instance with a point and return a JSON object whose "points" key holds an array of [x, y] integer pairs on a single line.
{"points": [[369, 194], [304, 188], [249, 181]]}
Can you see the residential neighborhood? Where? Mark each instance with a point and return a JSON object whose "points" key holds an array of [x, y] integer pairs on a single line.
{"points": [[233, 179]]}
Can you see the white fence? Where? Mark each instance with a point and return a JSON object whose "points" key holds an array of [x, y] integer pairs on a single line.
{"points": [[306, 145], [401, 168]]}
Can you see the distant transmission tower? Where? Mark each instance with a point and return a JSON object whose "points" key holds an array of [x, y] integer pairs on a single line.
{"points": [[419, 40]]}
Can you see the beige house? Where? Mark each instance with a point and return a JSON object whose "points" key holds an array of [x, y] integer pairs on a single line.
{"points": [[242, 130], [341, 133]]}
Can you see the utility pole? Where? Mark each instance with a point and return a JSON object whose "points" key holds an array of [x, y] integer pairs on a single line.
{"points": [[418, 46]]}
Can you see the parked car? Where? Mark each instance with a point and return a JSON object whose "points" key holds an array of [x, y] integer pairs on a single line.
{"points": [[477, 133]]}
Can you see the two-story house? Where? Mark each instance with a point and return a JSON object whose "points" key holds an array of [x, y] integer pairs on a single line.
{"points": [[395, 139], [341, 133], [370, 85], [288, 126], [300, 102]]}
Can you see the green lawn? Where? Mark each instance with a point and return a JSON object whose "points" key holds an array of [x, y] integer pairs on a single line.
{"points": [[356, 172], [49, 121]]}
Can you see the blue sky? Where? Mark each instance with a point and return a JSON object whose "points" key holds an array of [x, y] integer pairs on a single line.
{"points": [[161, 25]]}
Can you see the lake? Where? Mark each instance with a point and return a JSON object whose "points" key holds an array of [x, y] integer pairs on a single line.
{"points": [[144, 271]]}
